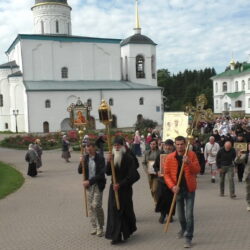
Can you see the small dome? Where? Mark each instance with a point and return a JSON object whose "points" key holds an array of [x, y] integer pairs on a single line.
{"points": [[137, 39], [51, 1]]}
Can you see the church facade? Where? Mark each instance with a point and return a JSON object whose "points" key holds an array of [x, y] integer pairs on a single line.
{"points": [[231, 90], [47, 71]]}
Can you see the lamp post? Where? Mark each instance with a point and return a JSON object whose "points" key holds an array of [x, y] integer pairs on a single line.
{"points": [[16, 113]]}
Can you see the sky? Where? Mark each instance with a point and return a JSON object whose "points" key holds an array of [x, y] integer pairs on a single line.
{"points": [[190, 34]]}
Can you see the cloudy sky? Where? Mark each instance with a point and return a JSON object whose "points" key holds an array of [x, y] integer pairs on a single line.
{"points": [[190, 34]]}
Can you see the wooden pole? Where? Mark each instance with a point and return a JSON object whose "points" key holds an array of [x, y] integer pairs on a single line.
{"points": [[83, 174], [112, 166]]}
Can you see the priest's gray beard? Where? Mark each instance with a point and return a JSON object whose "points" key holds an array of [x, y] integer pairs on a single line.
{"points": [[118, 155]]}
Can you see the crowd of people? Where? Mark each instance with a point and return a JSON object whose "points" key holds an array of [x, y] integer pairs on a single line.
{"points": [[162, 163]]}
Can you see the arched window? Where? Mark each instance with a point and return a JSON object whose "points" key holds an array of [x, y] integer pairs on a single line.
{"points": [[153, 66], [248, 83], [141, 101], [224, 86], [216, 104], [64, 72], [47, 104], [42, 27], [140, 67], [238, 104], [243, 85], [139, 118], [45, 127], [57, 26], [89, 103], [1, 100], [236, 87], [111, 101], [6, 125], [126, 68], [216, 87], [248, 102], [114, 122]]}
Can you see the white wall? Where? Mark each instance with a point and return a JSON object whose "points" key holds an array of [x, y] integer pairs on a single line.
{"points": [[126, 107], [43, 60]]}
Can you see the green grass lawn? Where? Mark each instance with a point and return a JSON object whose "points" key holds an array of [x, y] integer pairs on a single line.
{"points": [[10, 180]]}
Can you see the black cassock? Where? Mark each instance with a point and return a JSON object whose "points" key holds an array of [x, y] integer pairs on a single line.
{"points": [[164, 194], [122, 222]]}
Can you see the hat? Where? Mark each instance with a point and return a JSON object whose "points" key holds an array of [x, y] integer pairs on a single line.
{"points": [[118, 140], [169, 142]]}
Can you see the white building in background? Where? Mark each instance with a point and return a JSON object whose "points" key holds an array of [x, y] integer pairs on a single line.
{"points": [[47, 71], [231, 90]]}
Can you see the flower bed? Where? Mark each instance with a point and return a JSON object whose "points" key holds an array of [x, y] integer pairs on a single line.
{"points": [[54, 140]]}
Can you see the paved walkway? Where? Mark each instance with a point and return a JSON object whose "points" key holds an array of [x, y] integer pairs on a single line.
{"points": [[47, 213]]}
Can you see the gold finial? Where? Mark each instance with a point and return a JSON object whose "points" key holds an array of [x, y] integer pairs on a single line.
{"points": [[137, 21], [232, 59]]}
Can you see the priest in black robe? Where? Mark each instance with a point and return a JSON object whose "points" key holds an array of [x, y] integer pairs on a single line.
{"points": [[121, 223]]}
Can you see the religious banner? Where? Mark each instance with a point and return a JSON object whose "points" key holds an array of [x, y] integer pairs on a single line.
{"points": [[174, 124], [240, 146]]}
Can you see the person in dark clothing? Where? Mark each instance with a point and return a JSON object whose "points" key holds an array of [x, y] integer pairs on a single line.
{"points": [[65, 148], [121, 223], [216, 136], [198, 148], [224, 161], [164, 194], [100, 144], [94, 166], [240, 165], [32, 158]]}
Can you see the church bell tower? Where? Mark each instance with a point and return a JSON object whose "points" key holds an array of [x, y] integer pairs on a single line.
{"points": [[52, 17]]}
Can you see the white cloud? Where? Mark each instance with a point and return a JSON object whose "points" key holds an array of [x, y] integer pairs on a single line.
{"points": [[190, 34]]}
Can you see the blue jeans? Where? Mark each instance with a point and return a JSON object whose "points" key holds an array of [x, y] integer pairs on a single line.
{"points": [[185, 208]]}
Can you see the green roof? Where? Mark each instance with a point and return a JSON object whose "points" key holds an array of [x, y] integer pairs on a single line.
{"points": [[85, 86], [62, 38], [235, 94], [244, 68]]}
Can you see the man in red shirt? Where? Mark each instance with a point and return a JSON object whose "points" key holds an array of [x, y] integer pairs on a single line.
{"points": [[186, 191]]}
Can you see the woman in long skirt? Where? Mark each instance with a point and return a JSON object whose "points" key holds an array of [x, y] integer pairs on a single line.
{"points": [[32, 158]]}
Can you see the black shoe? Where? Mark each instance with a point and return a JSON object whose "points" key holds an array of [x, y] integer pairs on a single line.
{"points": [[161, 219], [115, 242]]}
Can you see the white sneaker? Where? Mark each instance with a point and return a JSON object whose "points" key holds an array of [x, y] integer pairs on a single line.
{"points": [[248, 208], [93, 231], [100, 232]]}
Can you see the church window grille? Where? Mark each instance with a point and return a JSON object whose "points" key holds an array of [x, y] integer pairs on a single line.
{"points": [[57, 26], [153, 67], [6, 125], [238, 104], [243, 85], [216, 104], [42, 27], [64, 72], [158, 108], [224, 86], [47, 104], [140, 67], [89, 103], [216, 87], [236, 87], [1, 100], [126, 68], [45, 127], [111, 102], [141, 101]]}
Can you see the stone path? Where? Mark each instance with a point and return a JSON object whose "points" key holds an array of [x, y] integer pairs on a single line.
{"points": [[47, 213]]}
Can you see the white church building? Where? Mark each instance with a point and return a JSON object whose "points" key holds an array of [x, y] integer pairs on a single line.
{"points": [[231, 90], [47, 71]]}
